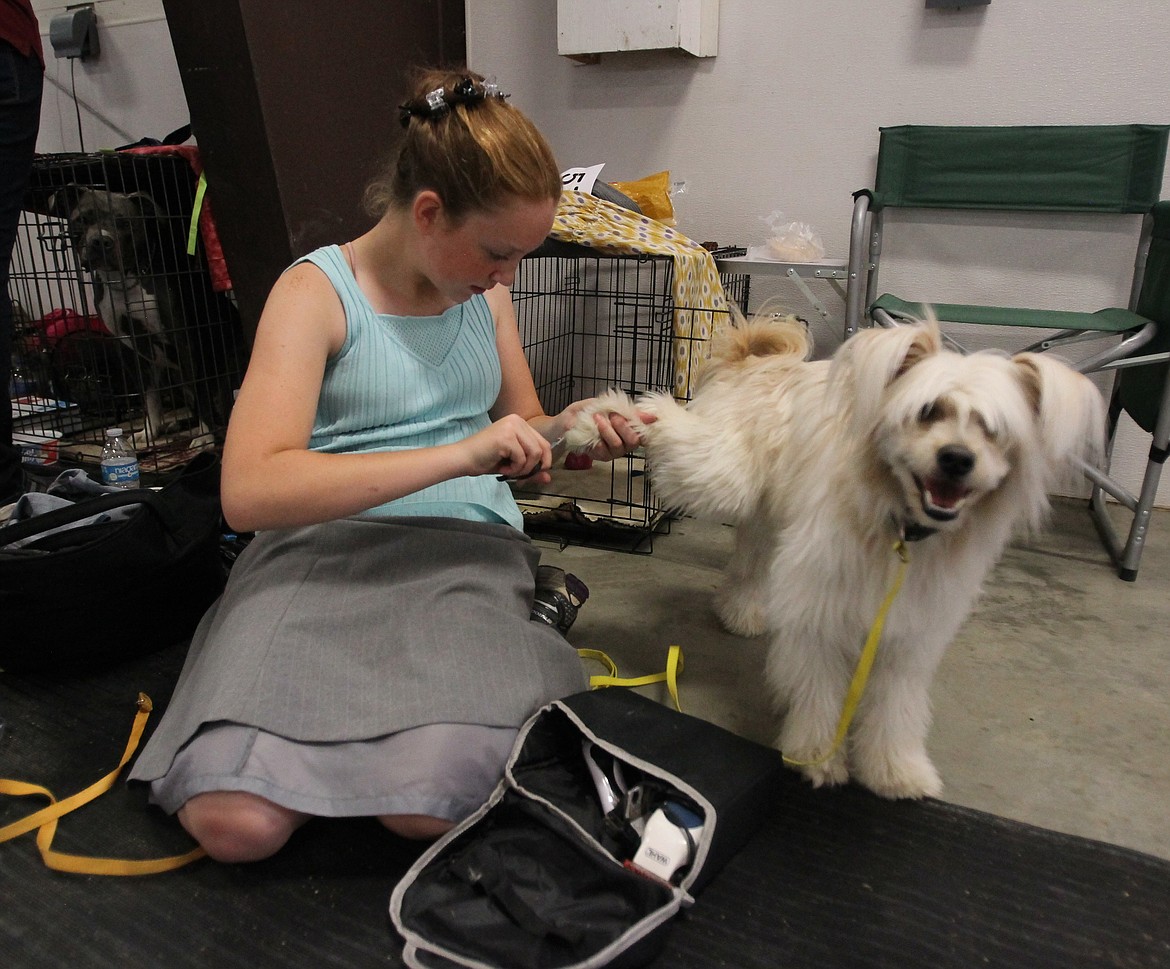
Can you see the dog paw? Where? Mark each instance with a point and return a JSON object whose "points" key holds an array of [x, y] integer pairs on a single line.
{"points": [[809, 757], [900, 778], [584, 435], [832, 773], [743, 618]]}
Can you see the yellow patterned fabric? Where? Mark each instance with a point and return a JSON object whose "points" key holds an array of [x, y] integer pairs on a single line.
{"points": [[700, 305]]}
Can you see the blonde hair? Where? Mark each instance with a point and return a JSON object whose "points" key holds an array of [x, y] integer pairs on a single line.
{"points": [[473, 154]]}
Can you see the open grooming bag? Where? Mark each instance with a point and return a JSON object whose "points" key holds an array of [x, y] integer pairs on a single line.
{"points": [[612, 813]]}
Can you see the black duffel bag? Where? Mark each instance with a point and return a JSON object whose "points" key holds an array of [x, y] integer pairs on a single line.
{"points": [[562, 866], [81, 590]]}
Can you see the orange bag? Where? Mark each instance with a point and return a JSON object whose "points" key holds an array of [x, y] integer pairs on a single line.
{"points": [[652, 194]]}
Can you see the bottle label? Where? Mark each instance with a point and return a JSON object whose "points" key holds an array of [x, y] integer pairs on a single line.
{"points": [[121, 474]]}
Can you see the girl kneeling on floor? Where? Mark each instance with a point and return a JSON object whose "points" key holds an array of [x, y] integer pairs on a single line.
{"points": [[372, 653]]}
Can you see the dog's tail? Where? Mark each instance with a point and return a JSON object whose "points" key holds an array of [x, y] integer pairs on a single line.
{"points": [[764, 335]]}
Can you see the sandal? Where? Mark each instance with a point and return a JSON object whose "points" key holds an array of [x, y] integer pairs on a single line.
{"points": [[559, 594]]}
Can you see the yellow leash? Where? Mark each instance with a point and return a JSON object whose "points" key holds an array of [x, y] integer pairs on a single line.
{"points": [[674, 666], [45, 820], [864, 663]]}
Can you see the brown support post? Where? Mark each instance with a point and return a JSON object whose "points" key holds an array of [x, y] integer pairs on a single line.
{"points": [[294, 105]]}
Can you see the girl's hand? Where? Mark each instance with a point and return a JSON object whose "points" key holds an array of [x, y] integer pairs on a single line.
{"points": [[509, 447]]}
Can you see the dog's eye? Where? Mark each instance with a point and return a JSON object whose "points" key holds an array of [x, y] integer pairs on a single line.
{"points": [[989, 430], [929, 413]]}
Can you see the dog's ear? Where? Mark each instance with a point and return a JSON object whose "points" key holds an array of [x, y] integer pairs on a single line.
{"points": [[868, 362], [927, 341], [63, 201], [147, 207], [1068, 408], [1028, 372]]}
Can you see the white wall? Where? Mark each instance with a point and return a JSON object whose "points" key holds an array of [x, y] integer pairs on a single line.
{"points": [[787, 115], [131, 90]]}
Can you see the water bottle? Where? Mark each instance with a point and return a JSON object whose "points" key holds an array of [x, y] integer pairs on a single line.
{"points": [[119, 462]]}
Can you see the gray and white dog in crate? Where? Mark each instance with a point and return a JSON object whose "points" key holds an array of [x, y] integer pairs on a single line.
{"points": [[118, 239]]}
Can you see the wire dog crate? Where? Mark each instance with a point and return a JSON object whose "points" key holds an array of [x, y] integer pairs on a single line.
{"points": [[116, 323], [588, 323]]}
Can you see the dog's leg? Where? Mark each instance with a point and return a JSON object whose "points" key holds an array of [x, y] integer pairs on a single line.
{"points": [[145, 369], [699, 463], [811, 681], [152, 370], [152, 399], [888, 742], [741, 600], [178, 343]]}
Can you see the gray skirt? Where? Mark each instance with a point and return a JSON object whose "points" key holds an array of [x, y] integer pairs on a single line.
{"points": [[440, 770], [354, 631]]}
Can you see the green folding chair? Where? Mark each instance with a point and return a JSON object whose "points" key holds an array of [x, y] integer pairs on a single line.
{"points": [[1103, 169], [1142, 391]]}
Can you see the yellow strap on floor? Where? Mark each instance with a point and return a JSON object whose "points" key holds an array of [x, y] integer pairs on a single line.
{"points": [[45, 820], [674, 666], [864, 663]]}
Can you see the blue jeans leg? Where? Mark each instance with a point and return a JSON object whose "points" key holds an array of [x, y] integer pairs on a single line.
{"points": [[21, 82]]}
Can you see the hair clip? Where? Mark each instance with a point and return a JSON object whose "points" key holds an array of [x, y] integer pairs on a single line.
{"points": [[491, 89], [432, 105], [467, 92], [437, 102]]}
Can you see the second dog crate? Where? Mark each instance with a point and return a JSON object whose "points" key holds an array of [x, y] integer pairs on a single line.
{"points": [[590, 322], [121, 318]]}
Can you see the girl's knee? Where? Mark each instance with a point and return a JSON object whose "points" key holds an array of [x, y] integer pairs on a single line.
{"points": [[417, 827], [234, 826]]}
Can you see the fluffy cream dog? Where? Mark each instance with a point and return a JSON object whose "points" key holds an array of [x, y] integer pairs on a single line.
{"points": [[824, 466]]}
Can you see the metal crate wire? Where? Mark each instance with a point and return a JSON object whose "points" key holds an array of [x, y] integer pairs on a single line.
{"points": [[588, 323], [115, 324]]}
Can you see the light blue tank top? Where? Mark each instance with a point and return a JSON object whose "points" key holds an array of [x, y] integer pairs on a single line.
{"points": [[402, 382]]}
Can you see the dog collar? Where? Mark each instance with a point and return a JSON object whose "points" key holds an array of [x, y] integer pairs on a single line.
{"points": [[913, 532]]}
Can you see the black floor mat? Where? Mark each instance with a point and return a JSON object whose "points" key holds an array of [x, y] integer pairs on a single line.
{"points": [[834, 878]]}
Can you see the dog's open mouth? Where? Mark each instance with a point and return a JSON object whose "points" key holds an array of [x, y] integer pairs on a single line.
{"points": [[942, 499]]}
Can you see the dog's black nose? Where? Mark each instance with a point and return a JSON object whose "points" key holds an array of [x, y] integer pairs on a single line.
{"points": [[100, 252], [955, 461]]}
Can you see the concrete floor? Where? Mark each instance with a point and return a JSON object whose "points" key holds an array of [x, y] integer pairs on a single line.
{"points": [[1052, 706]]}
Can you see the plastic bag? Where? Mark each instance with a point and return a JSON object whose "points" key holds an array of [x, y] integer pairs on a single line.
{"points": [[652, 194], [790, 241]]}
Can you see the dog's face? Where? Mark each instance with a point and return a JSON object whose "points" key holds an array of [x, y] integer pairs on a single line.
{"points": [[111, 232], [950, 451], [948, 430]]}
